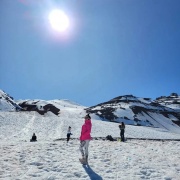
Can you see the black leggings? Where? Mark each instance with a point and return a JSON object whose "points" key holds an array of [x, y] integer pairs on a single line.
{"points": [[68, 137], [122, 135]]}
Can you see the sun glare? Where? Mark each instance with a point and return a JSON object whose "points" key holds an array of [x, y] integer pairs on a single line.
{"points": [[59, 20]]}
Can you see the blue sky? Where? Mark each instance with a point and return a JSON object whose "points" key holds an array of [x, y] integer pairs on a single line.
{"points": [[112, 48]]}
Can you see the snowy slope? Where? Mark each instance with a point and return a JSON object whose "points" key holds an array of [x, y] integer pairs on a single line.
{"points": [[49, 158], [129, 109], [20, 126], [7, 103]]}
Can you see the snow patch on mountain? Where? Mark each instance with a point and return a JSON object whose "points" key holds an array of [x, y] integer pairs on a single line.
{"points": [[7, 103]]}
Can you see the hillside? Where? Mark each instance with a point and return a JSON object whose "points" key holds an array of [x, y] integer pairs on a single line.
{"points": [[53, 159], [163, 112], [20, 125]]}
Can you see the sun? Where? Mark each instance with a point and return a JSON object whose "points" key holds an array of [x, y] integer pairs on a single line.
{"points": [[59, 20]]}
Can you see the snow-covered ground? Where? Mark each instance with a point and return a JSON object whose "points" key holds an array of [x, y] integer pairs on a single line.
{"points": [[49, 159], [133, 160]]}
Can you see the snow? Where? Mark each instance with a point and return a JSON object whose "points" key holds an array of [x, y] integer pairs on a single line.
{"points": [[5, 105], [172, 117], [53, 159], [165, 122], [108, 160], [145, 101], [124, 113]]}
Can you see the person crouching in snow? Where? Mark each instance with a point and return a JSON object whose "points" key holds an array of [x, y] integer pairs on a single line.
{"points": [[85, 139], [69, 133], [34, 138]]}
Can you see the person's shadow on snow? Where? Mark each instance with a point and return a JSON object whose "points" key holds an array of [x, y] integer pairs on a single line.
{"points": [[91, 173]]}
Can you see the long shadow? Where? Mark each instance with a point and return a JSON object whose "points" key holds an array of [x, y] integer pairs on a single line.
{"points": [[91, 173]]}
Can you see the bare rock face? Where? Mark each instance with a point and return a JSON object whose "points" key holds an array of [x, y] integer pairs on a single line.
{"points": [[40, 106]]}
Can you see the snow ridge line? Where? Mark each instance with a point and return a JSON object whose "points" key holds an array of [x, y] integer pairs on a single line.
{"points": [[116, 139]]}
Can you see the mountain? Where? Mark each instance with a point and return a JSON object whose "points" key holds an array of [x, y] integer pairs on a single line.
{"points": [[164, 112]]}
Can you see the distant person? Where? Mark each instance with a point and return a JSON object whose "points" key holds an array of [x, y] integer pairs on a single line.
{"points": [[34, 138], [122, 129], [85, 139], [69, 134]]}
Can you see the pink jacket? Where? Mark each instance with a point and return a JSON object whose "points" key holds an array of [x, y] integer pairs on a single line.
{"points": [[86, 130]]}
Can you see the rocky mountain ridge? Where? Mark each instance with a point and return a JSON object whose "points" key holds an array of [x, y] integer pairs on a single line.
{"points": [[163, 112], [140, 111]]}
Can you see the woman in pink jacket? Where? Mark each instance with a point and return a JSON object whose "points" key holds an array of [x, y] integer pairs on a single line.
{"points": [[85, 138]]}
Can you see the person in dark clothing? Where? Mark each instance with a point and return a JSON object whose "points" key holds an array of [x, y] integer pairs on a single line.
{"points": [[110, 138], [34, 138], [69, 133], [122, 128]]}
